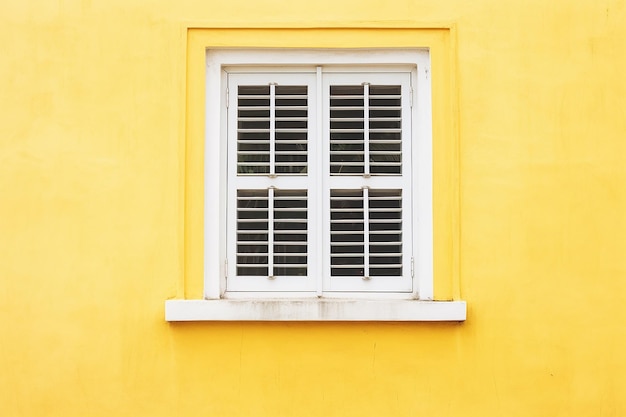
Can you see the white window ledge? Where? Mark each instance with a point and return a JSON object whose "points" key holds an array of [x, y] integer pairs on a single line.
{"points": [[314, 310]]}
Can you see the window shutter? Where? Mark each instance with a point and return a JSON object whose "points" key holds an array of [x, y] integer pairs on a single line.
{"points": [[269, 181], [369, 182], [286, 176]]}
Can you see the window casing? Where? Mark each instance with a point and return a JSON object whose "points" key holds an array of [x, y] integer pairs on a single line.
{"points": [[327, 180]]}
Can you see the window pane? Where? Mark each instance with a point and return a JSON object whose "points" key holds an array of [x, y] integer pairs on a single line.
{"points": [[366, 232], [385, 232], [290, 233], [365, 129], [385, 129], [253, 129], [291, 129], [272, 130], [347, 129], [252, 232], [276, 249], [347, 233]]}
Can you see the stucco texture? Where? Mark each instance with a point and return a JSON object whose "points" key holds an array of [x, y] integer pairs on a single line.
{"points": [[100, 216]]}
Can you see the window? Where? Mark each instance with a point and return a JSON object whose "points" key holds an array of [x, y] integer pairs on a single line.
{"points": [[323, 209], [320, 179]]}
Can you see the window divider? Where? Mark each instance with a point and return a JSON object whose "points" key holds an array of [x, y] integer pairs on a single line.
{"points": [[320, 184], [366, 130]]}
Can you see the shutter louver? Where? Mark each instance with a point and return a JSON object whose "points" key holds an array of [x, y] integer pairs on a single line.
{"points": [[366, 233], [272, 130], [277, 247], [252, 232], [290, 232], [291, 129], [365, 130], [347, 130], [347, 226], [385, 130], [385, 232], [253, 130]]}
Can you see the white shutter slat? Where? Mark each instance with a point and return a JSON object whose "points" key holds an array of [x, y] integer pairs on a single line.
{"points": [[272, 129], [347, 227], [365, 129], [385, 232], [252, 232], [366, 233], [290, 233], [385, 129], [347, 130], [276, 248], [253, 129], [291, 129]]}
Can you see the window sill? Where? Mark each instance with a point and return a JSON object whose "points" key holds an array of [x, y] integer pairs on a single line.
{"points": [[314, 310]]}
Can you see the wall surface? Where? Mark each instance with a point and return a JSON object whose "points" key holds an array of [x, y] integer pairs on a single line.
{"points": [[93, 204]]}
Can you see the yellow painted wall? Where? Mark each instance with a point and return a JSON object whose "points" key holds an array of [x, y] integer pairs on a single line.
{"points": [[95, 188]]}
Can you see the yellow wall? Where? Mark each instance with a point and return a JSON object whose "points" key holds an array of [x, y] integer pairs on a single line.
{"points": [[93, 164]]}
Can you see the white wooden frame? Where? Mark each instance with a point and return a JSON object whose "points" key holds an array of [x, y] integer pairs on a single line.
{"points": [[306, 61]]}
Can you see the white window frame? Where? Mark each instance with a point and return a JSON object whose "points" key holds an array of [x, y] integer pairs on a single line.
{"points": [[221, 305]]}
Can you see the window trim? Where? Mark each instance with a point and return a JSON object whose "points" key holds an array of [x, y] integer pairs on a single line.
{"points": [[439, 39]]}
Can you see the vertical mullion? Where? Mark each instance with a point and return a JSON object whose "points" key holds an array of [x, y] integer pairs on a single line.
{"points": [[272, 129], [366, 234], [270, 233], [270, 191], [366, 129], [318, 157]]}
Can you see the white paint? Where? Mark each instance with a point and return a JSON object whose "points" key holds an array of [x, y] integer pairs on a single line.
{"points": [[422, 184], [246, 58], [314, 310]]}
